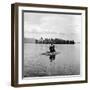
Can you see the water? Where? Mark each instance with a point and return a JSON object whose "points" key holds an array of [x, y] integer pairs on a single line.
{"points": [[67, 62]]}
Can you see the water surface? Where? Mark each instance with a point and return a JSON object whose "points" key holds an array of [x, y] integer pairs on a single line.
{"points": [[67, 62]]}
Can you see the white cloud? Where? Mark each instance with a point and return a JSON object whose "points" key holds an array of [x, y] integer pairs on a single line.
{"points": [[65, 26]]}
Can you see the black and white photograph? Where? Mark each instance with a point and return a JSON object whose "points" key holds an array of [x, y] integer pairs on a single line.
{"points": [[49, 44]]}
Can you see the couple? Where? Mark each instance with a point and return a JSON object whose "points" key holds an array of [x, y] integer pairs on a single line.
{"points": [[52, 48]]}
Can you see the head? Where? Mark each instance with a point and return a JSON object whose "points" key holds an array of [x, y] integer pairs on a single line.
{"points": [[51, 43]]}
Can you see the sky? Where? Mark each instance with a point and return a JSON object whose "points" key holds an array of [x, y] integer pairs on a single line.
{"points": [[47, 25]]}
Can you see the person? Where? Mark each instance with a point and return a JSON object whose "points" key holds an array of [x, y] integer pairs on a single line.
{"points": [[52, 48]]}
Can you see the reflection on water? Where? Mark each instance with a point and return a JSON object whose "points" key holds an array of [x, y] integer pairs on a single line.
{"points": [[37, 62], [51, 67], [52, 58]]}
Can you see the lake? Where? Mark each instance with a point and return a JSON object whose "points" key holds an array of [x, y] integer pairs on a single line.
{"points": [[67, 62]]}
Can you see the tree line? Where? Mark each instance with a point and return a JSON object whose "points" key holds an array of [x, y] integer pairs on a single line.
{"points": [[54, 41]]}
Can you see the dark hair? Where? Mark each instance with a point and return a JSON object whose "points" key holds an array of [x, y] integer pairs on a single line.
{"points": [[51, 43]]}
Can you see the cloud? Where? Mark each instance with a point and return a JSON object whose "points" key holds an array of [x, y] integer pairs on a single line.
{"points": [[52, 25]]}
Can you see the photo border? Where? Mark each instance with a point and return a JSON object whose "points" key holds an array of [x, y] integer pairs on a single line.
{"points": [[15, 48]]}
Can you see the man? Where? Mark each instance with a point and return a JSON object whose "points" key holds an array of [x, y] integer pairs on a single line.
{"points": [[52, 48]]}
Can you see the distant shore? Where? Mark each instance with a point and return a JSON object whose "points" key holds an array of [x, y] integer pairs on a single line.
{"points": [[48, 41]]}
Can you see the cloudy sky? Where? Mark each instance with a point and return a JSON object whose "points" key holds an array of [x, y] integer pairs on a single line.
{"points": [[46, 25]]}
